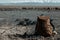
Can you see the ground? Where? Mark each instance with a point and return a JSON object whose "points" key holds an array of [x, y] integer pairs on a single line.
{"points": [[9, 30]]}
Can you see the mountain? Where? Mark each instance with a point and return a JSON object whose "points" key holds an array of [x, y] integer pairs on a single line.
{"points": [[31, 4]]}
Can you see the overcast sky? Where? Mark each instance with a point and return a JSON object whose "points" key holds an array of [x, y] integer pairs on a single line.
{"points": [[19, 1]]}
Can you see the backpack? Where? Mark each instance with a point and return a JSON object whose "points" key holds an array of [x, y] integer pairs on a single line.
{"points": [[43, 26]]}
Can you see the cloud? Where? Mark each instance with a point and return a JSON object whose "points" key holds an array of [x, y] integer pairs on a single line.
{"points": [[16, 1], [20, 1]]}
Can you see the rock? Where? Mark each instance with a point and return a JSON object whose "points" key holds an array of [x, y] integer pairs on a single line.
{"points": [[26, 19], [21, 30], [43, 26], [30, 30], [2, 31], [14, 30], [28, 22], [17, 20], [23, 23], [33, 22]]}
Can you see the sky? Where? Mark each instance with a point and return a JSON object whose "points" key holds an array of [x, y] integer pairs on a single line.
{"points": [[21, 1]]}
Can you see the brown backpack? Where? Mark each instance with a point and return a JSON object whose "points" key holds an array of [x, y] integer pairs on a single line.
{"points": [[43, 26]]}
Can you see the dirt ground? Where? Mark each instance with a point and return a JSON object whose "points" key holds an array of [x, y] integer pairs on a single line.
{"points": [[9, 30]]}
